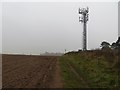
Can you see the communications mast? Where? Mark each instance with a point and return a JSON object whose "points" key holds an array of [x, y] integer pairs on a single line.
{"points": [[83, 18]]}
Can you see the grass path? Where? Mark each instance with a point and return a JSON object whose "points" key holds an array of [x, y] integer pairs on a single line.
{"points": [[72, 77]]}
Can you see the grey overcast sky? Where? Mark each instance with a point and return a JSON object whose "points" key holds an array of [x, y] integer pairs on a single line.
{"points": [[0, 27], [38, 27], [119, 18]]}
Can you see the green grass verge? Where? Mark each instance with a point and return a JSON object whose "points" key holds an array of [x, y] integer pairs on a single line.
{"points": [[70, 79], [96, 72]]}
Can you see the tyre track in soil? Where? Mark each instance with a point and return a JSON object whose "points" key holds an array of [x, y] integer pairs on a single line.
{"points": [[33, 72], [40, 78], [57, 81], [46, 75]]}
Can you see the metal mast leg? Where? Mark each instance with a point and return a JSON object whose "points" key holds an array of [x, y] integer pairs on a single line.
{"points": [[84, 18], [84, 37]]}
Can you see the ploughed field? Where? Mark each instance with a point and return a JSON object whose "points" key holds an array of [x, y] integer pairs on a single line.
{"points": [[23, 71]]}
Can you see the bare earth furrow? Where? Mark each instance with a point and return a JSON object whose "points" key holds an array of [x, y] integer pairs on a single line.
{"points": [[28, 71]]}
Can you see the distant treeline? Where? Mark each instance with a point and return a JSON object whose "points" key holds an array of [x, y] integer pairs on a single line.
{"points": [[114, 45], [105, 46]]}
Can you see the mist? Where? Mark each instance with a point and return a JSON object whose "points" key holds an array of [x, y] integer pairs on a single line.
{"points": [[31, 27]]}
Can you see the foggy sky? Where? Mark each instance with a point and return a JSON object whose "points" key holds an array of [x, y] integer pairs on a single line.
{"points": [[119, 19], [0, 28], [31, 27]]}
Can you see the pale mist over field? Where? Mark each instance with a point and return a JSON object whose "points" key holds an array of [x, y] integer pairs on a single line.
{"points": [[119, 19], [0, 27], [38, 27]]}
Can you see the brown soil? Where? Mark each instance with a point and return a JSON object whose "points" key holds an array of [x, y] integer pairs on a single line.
{"points": [[20, 71], [0, 71], [57, 79]]}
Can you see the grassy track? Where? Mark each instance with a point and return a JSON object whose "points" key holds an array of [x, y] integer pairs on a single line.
{"points": [[87, 70], [71, 77]]}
